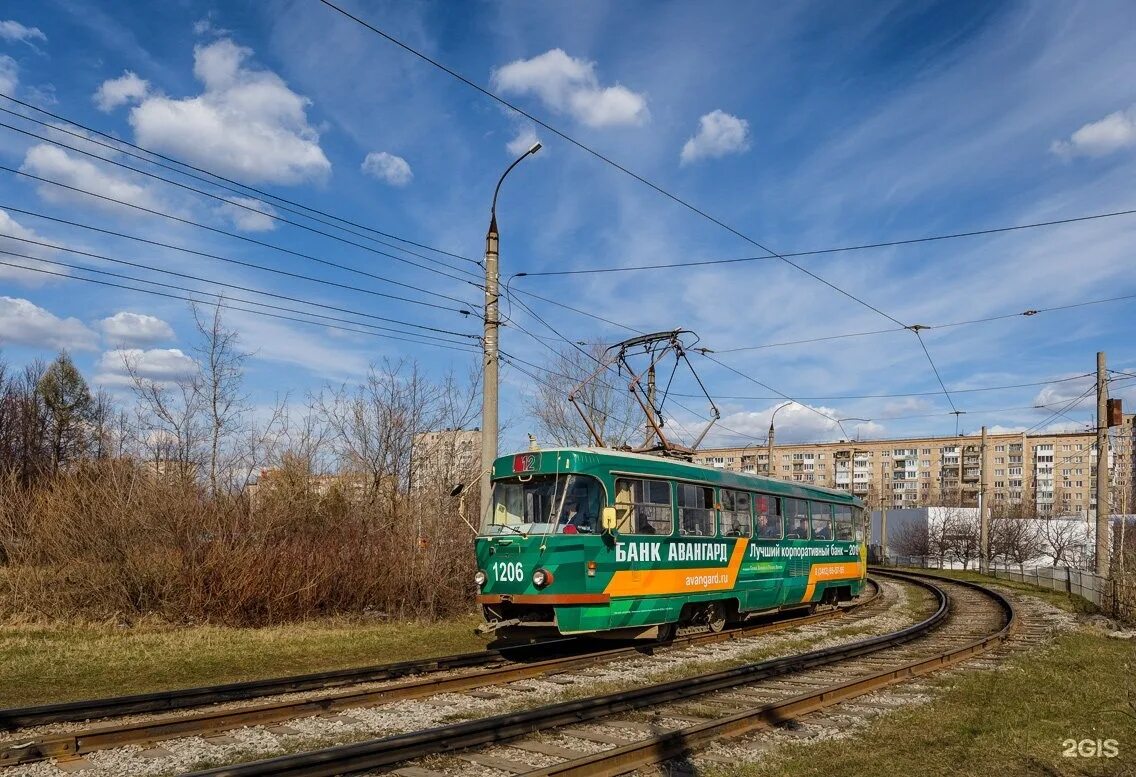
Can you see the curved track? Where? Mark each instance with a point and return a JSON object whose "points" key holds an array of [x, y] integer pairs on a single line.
{"points": [[493, 668], [565, 718]]}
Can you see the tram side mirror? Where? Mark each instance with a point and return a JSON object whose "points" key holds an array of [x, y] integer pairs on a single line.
{"points": [[609, 518]]}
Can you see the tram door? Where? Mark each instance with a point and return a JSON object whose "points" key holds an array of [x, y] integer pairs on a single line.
{"points": [[764, 565]]}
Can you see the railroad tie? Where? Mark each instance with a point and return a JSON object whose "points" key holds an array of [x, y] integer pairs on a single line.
{"points": [[496, 762], [546, 748]]}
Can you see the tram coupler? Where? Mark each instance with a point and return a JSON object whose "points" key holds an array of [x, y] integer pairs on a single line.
{"points": [[491, 627]]}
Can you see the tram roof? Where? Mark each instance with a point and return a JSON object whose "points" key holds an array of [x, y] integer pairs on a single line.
{"points": [[718, 475]]}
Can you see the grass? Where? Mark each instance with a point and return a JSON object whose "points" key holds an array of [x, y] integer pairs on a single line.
{"points": [[1065, 601], [43, 664], [1010, 722]]}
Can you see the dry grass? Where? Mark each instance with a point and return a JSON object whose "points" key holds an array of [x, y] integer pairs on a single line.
{"points": [[42, 664], [113, 542]]}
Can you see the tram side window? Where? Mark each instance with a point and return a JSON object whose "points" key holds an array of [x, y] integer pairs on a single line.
{"points": [[643, 506], [695, 510], [859, 523], [735, 514], [796, 519], [822, 521], [767, 511], [843, 522]]}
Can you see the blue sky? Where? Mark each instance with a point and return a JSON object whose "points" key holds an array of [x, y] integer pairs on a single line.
{"points": [[804, 126]]}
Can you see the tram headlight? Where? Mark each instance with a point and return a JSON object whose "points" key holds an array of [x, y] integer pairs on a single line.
{"points": [[479, 578], [541, 578]]}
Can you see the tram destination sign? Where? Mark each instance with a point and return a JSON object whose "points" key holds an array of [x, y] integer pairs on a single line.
{"points": [[526, 462]]}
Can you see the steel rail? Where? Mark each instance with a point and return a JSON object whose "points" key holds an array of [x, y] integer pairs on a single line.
{"points": [[675, 744], [384, 752], [188, 698], [74, 743]]}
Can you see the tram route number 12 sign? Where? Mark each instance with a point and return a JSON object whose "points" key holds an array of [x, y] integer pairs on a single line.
{"points": [[526, 462]]}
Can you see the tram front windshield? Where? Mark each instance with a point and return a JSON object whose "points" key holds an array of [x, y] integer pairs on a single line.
{"points": [[544, 504]]}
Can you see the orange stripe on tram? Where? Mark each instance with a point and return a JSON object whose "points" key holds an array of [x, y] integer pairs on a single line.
{"points": [[821, 572], [640, 582]]}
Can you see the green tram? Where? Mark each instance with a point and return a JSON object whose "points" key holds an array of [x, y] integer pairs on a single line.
{"points": [[600, 542]]}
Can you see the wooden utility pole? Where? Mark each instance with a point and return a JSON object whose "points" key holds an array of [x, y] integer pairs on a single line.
{"points": [[1102, 467], [983, 510]]}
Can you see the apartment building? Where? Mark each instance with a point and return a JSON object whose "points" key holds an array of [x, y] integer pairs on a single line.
{"points": [[445, 457], [1046, 474]]}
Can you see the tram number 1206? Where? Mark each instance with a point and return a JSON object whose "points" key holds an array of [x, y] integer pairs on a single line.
{"points": [[508, 572]]}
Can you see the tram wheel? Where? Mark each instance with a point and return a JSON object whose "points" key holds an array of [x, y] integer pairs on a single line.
{"points": [[716, 617], [666, 632]]}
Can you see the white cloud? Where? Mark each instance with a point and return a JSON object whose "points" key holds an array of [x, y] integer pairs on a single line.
{"points": [[246, 123], [718, 134], [128, 87], [795, 423], [10, 227], [14, 31], [1098, 138], [54, 163], [259, 219], [569, 85], [160, 365], [205, 26], [387, 167], [125, 328], [526, 137], [9, 74], [25, 323]]}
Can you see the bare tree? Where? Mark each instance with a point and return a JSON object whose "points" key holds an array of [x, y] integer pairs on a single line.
{"points": [[911, 538], [373, 425], [610, 407], [1064, 541], [957, 538], [171, 431], [1015, 540], [220, 385]]}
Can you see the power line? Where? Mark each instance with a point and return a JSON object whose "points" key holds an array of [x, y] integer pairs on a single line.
{"points": [[229, 260], [244, 188], [1029, 313], [220, 300], [607, 368], [911, 394], [226, 233], [938, 377], [564, 136], [673, 197], [767, 387], [509, 292], [223, 232], [237, 204], [199, 279], [837, 249], [512, 362], [215, 294]]}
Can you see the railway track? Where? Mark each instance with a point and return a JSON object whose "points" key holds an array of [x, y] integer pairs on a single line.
{"points": [[436, 676], [620, 732]]}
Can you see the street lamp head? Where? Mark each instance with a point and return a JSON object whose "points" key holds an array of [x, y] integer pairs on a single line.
{"points": [[535, 147]]}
